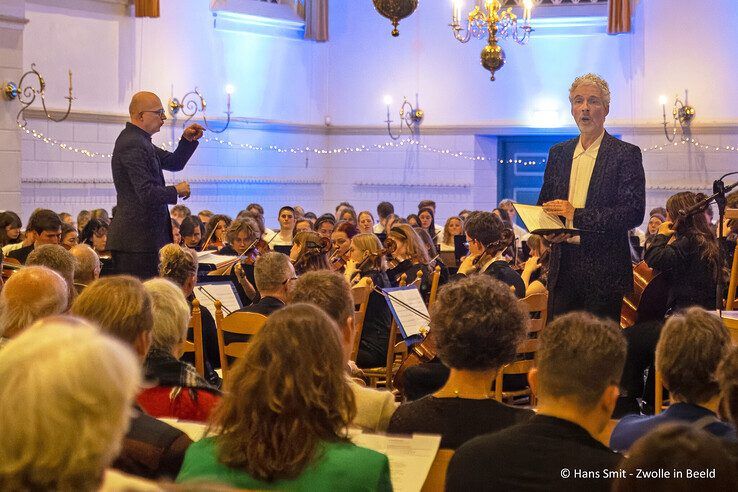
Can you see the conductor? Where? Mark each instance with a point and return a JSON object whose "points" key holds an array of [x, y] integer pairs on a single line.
{"points": [[141, 225]]}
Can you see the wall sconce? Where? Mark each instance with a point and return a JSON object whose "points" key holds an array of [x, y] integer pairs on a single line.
{"points": [[682, 113], [193, 101], [409, 116], [26, 95]]}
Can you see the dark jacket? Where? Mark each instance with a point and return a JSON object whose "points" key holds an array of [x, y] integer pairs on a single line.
{"points": [[21, 254], [616, 202], [141, 223]]}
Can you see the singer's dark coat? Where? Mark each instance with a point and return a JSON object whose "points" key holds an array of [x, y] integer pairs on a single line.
{"points": [[141, 223], [616, 202]]}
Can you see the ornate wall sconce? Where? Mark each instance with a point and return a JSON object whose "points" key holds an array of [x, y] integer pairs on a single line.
{"points": [[682, 114], [410, 116], [26, 95], [192, 102], [395, 11], [489, 19]]}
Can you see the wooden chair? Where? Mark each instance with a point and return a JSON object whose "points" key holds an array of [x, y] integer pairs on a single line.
{"points": [[537, 307], [236, 323], [659, 404], [732, 325], [196, 344], [361, 295], [434, 286], [436, 479], [731, 302], [396, 349]]}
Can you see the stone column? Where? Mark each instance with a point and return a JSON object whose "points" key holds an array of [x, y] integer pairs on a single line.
{"points": [[12, 22]]}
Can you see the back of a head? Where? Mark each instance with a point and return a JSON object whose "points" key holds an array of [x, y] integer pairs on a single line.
{"points": [[327, 290], [488, 229], [75, 387], [170, 311], [690, 348], [30, 294], [579, 357], [676, 448], [86, 263], [271, 270], [119, 305], [384, 209], [728, 379], [177, 263], [477, 323], [58, 259], [286, 396]]}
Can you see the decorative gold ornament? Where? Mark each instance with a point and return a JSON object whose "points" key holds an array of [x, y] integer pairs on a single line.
{"points": [[682, 114], [26, 95], [395, 11]]}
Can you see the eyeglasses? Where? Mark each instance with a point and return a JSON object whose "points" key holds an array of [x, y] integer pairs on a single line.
{"points": [[160, 112], [289, 280]]}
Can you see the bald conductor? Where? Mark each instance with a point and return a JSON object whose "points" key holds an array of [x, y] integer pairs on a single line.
{"points": [[141, 225]]}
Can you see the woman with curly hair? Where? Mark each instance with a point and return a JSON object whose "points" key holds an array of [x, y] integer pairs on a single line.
{"points": [[477, 325], [283, 422], [215, 232]]}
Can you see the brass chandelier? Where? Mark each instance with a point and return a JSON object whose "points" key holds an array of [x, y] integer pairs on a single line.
{"points": [[488, 18]]}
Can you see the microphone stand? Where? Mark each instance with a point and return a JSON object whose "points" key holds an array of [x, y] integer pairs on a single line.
{"points": [[719, 191]]}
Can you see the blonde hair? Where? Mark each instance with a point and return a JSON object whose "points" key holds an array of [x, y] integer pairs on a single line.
{"points": [[119, 305], [177, 263], [448, 238], [595, 80], [312, 254], [74, 387], [370, 242], [170, 311]]}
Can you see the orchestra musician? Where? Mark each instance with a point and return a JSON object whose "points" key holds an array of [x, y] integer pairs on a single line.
{"points": [[453, 227], [283, 237], [191, 232], [242, 238], [341, 241], [367, 264], [488, 238], [366, 221], [309, 252], [324, 225], [411, 256], [215, 232]]}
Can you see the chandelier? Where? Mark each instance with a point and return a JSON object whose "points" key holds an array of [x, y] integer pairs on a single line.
{"points": [[488, 18], [395, 11]]}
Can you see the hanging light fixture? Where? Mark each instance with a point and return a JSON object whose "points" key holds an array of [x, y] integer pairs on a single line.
{"points": [[395, 11], [489, 19]]}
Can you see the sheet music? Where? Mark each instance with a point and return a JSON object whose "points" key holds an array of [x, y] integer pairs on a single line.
{"points": [[194, 430], [410, 457], [536, 219], [210, 258], [223, 291], [409, 322]]}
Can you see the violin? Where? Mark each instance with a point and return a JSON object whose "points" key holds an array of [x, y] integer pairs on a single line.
{"points": [[310, 249], [491, 250], [337, 261], [390, 246], [248, 257]]}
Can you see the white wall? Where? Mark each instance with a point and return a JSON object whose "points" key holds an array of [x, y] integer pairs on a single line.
{"points": [[301, 82]]}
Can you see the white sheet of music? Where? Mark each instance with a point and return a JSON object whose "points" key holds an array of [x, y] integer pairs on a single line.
{"points": [[194, 430], [410, 321], [223, 291], [410, 457], [210, 258]]}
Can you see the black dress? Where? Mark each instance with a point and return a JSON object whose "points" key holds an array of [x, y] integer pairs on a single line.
{"points": [[411, 270], [456, 419], [248, 270], [375, 332]]}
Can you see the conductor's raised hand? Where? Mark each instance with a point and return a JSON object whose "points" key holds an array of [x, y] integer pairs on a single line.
{"points": [[193, 132]]}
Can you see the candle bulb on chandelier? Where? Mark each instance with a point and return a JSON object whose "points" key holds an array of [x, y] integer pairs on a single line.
{"points": [[388, 102], [457, 4], [527, 7], [229, 91], [70, 83], [662, 102]]}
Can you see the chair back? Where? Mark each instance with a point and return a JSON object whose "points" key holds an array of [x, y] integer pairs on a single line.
{"points": [[659, 404], [361, 295], [731, 303], [434, 286], [196, 345], [537, 307], [436, 479], [247, 324]]}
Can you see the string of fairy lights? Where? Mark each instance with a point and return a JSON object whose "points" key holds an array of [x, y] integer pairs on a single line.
{"points": [[388, 146]]}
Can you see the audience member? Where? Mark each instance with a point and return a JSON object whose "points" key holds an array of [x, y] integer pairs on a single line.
{"points": [[476, 324], [29, 295], [330, 292], [676, 448], [46, 226], [65, 403], [288, 436], [578, 367], [180, 392], [688, 353], [274, 276], [58, 259], [121, 307], [86, 266]]}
